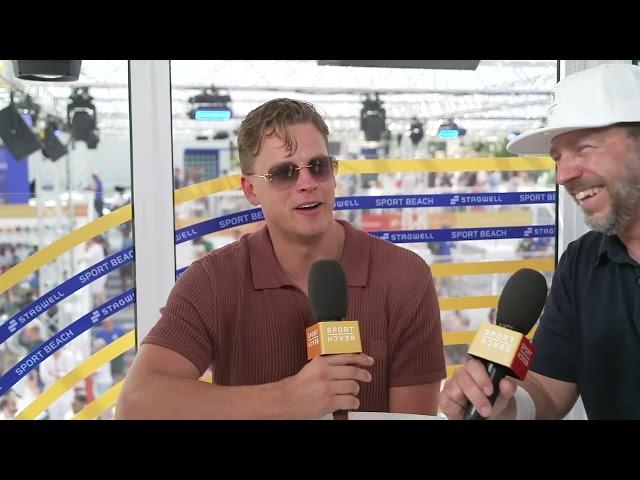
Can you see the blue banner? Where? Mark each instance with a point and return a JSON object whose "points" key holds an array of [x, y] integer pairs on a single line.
{"points": [[218, 224], [113, 262], [63, 337], [461, 234], [384, 201], [62, 291], [455, 235], [444, 200]]}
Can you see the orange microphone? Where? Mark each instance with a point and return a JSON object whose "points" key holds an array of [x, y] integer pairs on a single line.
{"points": [[503, 348], [331, 334]]}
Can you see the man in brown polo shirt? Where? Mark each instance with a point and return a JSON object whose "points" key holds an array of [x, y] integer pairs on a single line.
{"points": [[242, 310]]}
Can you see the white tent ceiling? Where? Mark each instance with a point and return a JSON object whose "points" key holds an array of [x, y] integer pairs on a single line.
{"points": [[495, 99]]}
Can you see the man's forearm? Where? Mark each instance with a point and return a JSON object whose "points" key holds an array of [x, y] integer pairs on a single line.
{"points": [[165, 397], [552, 399], [509, 412]]}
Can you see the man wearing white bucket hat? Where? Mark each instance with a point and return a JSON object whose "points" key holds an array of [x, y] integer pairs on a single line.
{"points": [[588, 340]]}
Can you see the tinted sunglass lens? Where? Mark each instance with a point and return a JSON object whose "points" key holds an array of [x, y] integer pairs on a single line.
{"points": [[284, 176], [320, 168]]}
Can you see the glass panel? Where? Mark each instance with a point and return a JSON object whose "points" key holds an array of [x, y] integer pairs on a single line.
{"points": [[463, 207], [66, 247]]}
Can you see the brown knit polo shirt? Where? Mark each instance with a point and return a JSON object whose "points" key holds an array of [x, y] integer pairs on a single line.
{"points": [[235, 310]]}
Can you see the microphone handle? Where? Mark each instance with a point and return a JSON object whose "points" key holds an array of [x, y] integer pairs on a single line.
{"points": [[496, 372], [341, 415]]}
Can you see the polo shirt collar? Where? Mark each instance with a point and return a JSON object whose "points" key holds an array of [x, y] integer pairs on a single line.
{"points": [[612, 249], [266, 271]]}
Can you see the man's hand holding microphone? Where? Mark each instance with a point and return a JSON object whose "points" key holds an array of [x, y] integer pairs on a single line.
{"points": [[329, 382], [480, 389]]}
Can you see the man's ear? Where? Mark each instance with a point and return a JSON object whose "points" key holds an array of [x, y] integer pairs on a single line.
{"points": [[247, 188]]}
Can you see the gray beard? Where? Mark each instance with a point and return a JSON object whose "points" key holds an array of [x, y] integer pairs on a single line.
{"points": [[625, 200]]}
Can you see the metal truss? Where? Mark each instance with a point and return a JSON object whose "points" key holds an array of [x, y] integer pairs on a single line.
{"points": [[499, 96]]}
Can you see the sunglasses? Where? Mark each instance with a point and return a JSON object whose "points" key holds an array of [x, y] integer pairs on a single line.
{"points": [[285, 175]]}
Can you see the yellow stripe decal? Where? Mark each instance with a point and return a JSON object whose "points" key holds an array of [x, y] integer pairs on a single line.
{"points": [[481, 268], [78, 374], [458, 338], [202, 189], [193, 192], [461, 303], [446, 165], [100, 404], [465, 337]]}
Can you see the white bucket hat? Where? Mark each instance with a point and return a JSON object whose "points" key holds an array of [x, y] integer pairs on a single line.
{"points": [[592, 98]]}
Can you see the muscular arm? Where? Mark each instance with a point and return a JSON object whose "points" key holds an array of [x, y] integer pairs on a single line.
{"points": [[162, 384], [553, 398]]}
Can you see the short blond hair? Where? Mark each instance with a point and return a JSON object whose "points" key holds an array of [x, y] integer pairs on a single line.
{"points": [[274, 117]]}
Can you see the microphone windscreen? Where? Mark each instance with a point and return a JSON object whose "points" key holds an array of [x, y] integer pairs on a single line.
{"points": [[328, 291], [522, 300]]}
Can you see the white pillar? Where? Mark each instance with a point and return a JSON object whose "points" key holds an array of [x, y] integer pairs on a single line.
{"points": [[152, 188]]}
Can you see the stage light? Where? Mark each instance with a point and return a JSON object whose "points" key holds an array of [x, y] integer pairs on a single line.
{"points": [[47, 70], [25, 105], [210, 106], [416, 131], [16, 133], [449, 129], [372, 118], [210, 113], [82, 117], [52, 147]]}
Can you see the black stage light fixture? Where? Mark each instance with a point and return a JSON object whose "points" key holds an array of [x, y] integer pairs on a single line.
{"points": [[26, 105], [210, 105], [47, 70], [416, 131], [52, 147], [221, 135], [16, 133], [82, 117], [372, 118]]}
